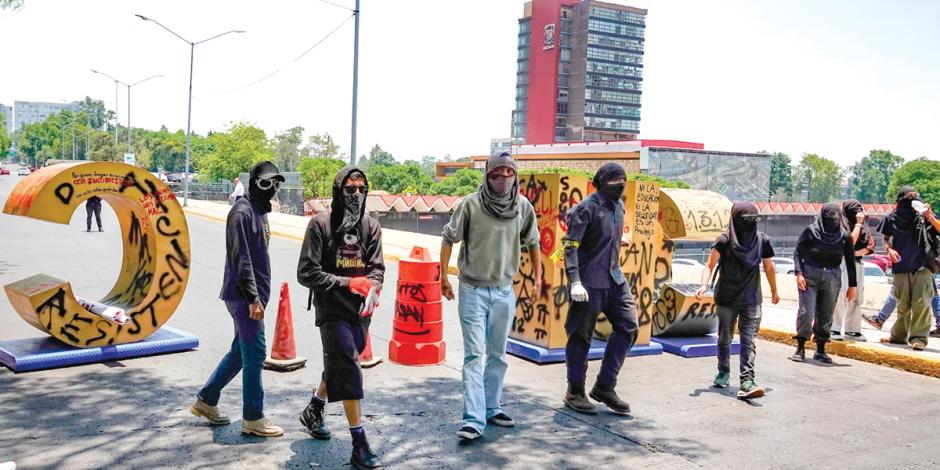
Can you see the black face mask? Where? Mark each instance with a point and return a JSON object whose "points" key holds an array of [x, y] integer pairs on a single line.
{"points": [[613, 192], [744, 225], [262, 197], [352, 210], [831, 224]]}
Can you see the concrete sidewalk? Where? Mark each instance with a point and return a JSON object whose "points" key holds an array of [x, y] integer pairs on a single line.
{"points": [[778, 322], [396, 244]]}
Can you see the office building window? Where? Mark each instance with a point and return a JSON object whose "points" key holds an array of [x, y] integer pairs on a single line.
{"points": [[617, 15], [612, 96], [615, 28], [614, 69], [610, 41]]}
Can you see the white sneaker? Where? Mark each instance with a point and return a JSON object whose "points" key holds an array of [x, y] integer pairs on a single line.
{"points": [[8, 466], [835, 336]]}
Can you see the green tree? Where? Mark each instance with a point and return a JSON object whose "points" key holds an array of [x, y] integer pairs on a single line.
{"points": [[235, 151], [821, 177], [376, 157], [923, 174], [429, 165], [461, 183], [870, 177], [11, 4], [397, 178], [317, 174], [781, 174], [323, 146], [104, 150], [5, 139], [287, 148], [94, 112]]}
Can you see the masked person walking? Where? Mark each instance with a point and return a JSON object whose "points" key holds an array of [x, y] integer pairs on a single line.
{"points": [[494, 225], [597, 284], [848, 314], [246, 289], [910, 232], [739, 253], [341, 263], [820, 250]]}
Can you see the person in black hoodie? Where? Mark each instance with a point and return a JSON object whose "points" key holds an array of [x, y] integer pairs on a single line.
{"points": [[341, 263], [849, 314], [818, 257], [597, 284], [739, 254], [246, 289], [910, 231]]}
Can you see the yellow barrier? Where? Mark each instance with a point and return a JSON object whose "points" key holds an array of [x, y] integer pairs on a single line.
{"points": [[156, 257]]}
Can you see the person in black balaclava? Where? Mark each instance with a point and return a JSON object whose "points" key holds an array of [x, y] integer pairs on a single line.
{"points": [[592, 251], [910, 231], [820, 251], [341, 263], [849, 313], [246, 289], [739, 254]]}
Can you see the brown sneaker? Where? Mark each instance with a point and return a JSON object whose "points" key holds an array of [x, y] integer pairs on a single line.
{"points": [[918, 346], [261, 427], [211, 413]]}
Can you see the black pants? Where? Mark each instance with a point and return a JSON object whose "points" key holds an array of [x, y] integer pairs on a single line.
{"points": [[618, 304], [343, 341], [93, 209]]}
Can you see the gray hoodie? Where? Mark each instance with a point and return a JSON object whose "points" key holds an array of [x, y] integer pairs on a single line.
{"points": [[491, 249]]}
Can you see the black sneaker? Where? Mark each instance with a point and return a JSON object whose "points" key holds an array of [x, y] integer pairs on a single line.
{"points": [[935, 333], [312, 419], [821, 356], [609, 397], [503, 420], [362, 455], [468, 433]]}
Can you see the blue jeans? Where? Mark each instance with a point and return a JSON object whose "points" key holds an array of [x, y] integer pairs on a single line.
{"points": [[891, 303], [247, 355], [486, 314]]}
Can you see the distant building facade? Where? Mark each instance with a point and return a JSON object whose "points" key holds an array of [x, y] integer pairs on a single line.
{"points": [[32, 112], [7, 112]]}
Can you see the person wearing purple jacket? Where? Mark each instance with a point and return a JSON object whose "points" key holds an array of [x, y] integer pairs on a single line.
{"points": [[246, 289]]}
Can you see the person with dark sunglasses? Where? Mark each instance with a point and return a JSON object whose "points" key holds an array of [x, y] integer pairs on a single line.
{"points": [[341, 263], [246, 289]]}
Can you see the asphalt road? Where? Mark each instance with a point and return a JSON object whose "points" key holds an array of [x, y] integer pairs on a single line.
{"points": [[133, 413]]}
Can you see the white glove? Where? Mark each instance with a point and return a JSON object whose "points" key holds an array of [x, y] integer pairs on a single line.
{"points": [[578, 292], [371, 303]]}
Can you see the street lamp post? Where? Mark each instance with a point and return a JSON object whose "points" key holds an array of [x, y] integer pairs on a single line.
{"points": [[355, 93], [189, 110], [129, 86]]}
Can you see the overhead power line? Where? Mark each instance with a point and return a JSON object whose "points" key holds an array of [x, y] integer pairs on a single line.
{"points": [[281, 68]]}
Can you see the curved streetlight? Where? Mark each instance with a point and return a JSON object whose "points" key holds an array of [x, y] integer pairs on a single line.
{"points": [[116, 81], [189, 112]]}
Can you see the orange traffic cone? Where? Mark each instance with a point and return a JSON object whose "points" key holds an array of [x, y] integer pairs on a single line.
{"points": [[366, 359], [283, 356]]}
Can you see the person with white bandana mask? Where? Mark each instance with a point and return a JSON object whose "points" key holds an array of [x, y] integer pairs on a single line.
{"points": [[494, 225]]}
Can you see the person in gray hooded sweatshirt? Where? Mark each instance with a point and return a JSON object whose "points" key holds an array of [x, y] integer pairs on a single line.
{"points": [[494, 225]]}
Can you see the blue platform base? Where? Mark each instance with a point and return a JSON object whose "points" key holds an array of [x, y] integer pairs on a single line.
{"points": [[24, 355], [541, 355], [694, 346]]}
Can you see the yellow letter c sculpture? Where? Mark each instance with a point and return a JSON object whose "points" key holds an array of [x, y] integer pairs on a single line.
{"points": [[156, 257]]}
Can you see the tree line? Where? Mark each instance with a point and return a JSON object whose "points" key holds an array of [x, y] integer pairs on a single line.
{"points": [[873, 179]]}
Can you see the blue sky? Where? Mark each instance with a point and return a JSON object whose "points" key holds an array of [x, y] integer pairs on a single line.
{"points": [[838, 78]]}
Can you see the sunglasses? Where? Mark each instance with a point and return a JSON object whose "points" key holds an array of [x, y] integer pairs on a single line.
{"points": [[267, 184], [354, 189]]}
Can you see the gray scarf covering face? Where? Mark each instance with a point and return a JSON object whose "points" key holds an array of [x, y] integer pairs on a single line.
{"points": [[501, 206], [352, 203]]}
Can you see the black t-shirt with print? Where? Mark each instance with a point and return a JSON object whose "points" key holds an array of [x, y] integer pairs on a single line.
{"points": [[735, 285]]}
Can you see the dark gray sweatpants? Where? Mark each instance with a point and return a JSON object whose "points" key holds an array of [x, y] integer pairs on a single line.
{"points": [[818, 302]]}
